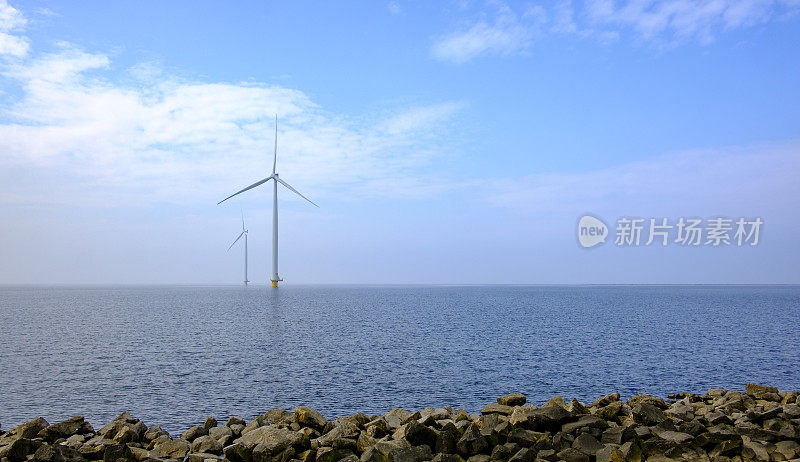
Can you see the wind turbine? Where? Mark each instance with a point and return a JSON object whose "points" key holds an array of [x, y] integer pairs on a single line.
{"points": [[244, 233], [274, 278]]}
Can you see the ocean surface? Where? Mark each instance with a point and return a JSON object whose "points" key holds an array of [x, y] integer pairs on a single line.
{"points": [[174, 355]]}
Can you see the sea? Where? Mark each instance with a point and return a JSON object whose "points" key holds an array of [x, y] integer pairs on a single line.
{"points": [[173, 355]]}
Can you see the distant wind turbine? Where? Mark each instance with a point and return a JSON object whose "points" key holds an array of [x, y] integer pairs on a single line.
{"points": [[274, 278], [244, 233]]}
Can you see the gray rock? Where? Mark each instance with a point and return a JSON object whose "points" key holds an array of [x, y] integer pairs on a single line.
{"points": [[66, 428], [116, 452], [512, 399], [233, 420], [609, 453], [19, 448], [676, 437], [172, 449], [584, 421], [274, 439], [472, 442], [309, 417], [648, 414], [206, 444], [762, 392], [644, 398], [495, 408], [411, 454], [572, 455], [193, 433], [209, 423], [587, 444], [220, 433]]}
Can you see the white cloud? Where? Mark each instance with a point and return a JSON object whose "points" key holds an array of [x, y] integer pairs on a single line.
{"points": [[505, 35], [156, 138], [394, 8], [11, 20]]}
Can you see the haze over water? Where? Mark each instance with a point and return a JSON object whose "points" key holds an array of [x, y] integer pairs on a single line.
{"points": [[174, 355]]}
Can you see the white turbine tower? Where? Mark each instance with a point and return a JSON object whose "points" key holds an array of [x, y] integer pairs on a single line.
{"points": [[274, 278], [244, 233]]}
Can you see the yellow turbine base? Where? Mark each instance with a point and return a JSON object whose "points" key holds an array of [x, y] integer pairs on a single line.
{"points": [[274, 283]]}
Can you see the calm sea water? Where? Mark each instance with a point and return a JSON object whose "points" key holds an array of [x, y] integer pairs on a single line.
{"points": [[173, 355]]}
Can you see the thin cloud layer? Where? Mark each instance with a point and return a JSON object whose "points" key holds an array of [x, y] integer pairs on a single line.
{"points": [[513, 32]]}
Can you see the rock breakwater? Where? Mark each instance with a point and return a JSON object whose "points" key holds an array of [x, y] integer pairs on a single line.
{"points": [[761, 424]]}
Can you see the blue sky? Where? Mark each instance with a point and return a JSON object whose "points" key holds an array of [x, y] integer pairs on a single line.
{"points": [[446, 142]]}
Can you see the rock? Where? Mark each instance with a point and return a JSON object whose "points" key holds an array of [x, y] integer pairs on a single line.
{"points": [[525, 438], [193, 433], [274, 439], [444, 457], [472, 442], [788, 449], [19, 448], [201, 457], [206, 444], [446, 439], [584, 421], [753, 450], [609, 453], [556, 401], [587, 444], [644, 398], [676, 437], [209, 423], [280, 417], [576, 408], [411, 454], [762, 392], [116, 452], [233, 420], [611, 410], [417, 434], [523, 455], [65, 429], [648, 414], [495, 408], [345, 430], [549, 418], [29, 429], [572, 455], [308, 417], [503, 452], [154, 432], [220, 433], [512, 399], [237, 453], [618, 435], [172, 449], [125, 435], [605, 400], [521, 414]]}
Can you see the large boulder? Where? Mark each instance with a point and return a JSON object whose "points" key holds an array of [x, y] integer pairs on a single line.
{"points": [[308, 417], [512, 399], [64, 429], [273, 439], [19, 449], [472, 442], [57, 453], [29, 429], [206, 444], [762, 392], [172, 449]]}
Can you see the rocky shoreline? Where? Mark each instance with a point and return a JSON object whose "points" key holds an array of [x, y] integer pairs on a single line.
{"points": [[761, 424]]}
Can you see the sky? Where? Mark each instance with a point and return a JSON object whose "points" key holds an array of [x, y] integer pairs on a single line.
{"points": [[455, 142]]}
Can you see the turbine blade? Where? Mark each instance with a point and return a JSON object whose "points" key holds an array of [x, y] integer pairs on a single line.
{"points": [[275, 157], [258, 183], [242, 220], [296, 192], [237, 240]]}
